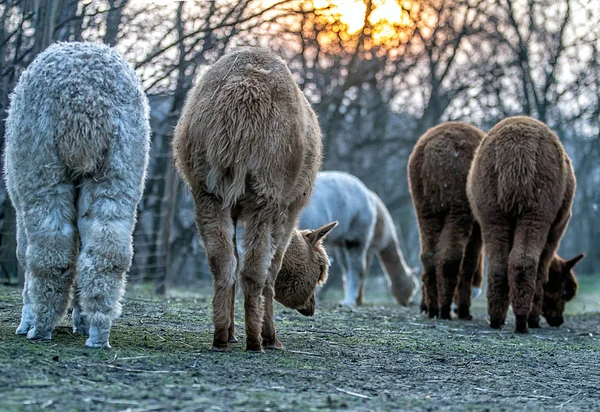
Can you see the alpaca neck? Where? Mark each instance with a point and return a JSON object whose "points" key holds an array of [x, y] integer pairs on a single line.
{"points": [[392, 261]]}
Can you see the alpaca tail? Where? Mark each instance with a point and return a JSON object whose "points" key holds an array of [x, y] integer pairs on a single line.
{"points": [[436, 181], [238, 131], [516, 168], [83, 129]]}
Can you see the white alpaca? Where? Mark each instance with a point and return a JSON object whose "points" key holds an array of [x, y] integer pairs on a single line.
{"points": [[365, 229], [77, 140]]}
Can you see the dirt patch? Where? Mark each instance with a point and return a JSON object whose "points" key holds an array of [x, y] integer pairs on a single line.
{"points": [[378, 357]]}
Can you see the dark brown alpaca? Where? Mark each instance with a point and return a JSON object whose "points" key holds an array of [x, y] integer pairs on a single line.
{"points": [[248, 145], [521, 189], [450, 237]]}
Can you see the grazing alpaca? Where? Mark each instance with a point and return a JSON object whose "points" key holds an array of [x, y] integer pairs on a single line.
{"points": [[521, 187], [77, 140], [450, 237], [248, 144], [365, 229]]}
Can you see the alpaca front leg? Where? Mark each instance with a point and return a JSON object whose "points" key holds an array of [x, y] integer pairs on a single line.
{"points": [[81, 325], [355, 263], [470, 265], [231, 335], [269, 336], [257, 258]]}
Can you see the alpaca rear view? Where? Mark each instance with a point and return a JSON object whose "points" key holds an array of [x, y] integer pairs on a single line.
{"points": [[521, 187], [77, 140], [450, 237], [249, 147]]}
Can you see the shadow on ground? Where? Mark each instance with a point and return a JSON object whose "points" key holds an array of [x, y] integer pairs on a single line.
{"points": [[378, 357]]}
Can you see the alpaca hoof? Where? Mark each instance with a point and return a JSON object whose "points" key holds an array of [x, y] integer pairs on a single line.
{"points": [[533, 323], [423, 307], [254, 345], [463, 313], [433, 313], [80, 324], [521, 329], [273, 344], [496, 323], [98, 338], [445, 313], [27, 320], [233, 339], [220, 348], [521, 324], [255, 350], [475, 292], [37, 335], [97, 344]]}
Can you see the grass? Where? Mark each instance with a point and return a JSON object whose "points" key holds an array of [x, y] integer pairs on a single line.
{"points": [[377, 357]]}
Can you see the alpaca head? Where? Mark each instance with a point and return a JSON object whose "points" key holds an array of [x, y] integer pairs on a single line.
{"points": [[560, 288], [305, 266]]}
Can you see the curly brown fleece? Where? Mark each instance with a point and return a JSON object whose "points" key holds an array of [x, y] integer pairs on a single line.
{"points": [[248, 145], [450, 238], [521, 189]]}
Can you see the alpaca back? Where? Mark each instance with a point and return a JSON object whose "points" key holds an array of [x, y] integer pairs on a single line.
{"points": [[441, 161], [78, 98], [342, 197], [523, 165], [253, 126]]}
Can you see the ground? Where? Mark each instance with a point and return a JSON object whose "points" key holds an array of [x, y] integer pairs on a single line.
{"points": [[377, 357]]}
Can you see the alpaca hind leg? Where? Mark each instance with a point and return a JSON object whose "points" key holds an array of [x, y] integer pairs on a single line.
{"points": [[217, 231], [529, 241], [470, 264], [27, 318], [106, 220], [50, 255], [258, 255], [496, 238]]}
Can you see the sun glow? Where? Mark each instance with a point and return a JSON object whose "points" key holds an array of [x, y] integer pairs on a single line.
{"points": [[389, 20]]}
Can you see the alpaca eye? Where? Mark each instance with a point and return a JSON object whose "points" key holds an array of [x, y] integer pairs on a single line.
{"points": [[564, 296]]}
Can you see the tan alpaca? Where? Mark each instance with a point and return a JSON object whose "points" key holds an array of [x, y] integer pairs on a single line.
{"points": [[450, 237], [248, 145], [521, 187]]}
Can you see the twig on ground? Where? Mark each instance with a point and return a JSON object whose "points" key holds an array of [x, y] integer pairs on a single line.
{"points": [[304, 353], [567, 401], [352, 393], [133, 370]]}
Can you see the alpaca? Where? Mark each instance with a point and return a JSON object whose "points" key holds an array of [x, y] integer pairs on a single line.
{"points": [[77, 141], [248, 145], [521, 187], [365, 229], [450, 237]]}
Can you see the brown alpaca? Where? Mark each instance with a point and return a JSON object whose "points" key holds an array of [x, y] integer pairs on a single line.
{"points": [[248, 145], [450, 237], [521, 187]]}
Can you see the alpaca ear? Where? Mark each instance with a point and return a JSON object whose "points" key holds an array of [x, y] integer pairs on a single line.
{"points": [[320, 233], [571, 263]]}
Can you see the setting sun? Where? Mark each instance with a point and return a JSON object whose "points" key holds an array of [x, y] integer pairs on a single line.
{"points": [[388, 19]]}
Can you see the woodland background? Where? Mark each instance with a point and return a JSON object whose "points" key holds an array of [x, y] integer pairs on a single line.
{"points": [[378, 72]]}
